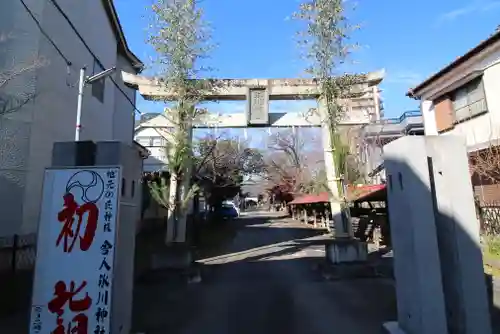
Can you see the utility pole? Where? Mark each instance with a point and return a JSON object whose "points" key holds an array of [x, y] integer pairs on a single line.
{"points": [[84, 81], [81, 85]]}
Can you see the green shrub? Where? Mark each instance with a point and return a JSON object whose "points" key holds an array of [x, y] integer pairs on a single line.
{"points": [[493, 245]]}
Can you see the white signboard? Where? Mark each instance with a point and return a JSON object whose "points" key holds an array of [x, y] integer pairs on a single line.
{"points": [[75, 251]]}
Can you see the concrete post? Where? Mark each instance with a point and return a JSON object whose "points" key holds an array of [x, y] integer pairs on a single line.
{"points": [[435, 235], [70, 154], [458, 236], [116, 153], [417, 266], [75, 154]]}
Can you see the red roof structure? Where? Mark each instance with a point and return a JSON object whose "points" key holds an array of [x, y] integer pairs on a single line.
{"points": [[375, 195], [357, 193], [311, 199], [376, 192]]}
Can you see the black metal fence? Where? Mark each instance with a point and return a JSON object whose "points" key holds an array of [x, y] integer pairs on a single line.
{"points": [[17, 252], [17, 262]]}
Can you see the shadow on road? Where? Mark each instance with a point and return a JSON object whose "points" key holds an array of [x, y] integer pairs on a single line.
{"points": [[268, 296], [285, 233], [268, 279]]}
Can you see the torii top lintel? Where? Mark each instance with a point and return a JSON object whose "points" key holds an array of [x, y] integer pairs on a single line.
{"points": [[237, 89]]}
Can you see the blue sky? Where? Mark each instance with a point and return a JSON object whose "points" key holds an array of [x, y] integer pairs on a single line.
{"points": [[411, 40]]}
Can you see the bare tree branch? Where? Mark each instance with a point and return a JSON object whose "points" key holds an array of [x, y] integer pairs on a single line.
{"points": [[290, 165], [486, 163]]}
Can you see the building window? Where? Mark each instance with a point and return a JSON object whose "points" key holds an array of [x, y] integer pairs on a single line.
{"points": [[98, 86], [144, 141], [469, 100], [157, 141]]}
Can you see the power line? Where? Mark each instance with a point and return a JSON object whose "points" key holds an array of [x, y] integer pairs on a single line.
{"points": [[54, 2], [45, 34], [69, 63]]}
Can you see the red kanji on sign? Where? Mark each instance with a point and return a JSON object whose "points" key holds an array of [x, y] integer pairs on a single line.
{"points": [[69, 234], [79, 323], [63, 296]]}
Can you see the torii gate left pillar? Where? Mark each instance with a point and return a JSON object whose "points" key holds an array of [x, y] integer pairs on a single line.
{"points": [[362, 108]]}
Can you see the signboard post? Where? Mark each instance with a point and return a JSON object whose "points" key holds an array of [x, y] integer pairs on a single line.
{"points": [[75, 251]]}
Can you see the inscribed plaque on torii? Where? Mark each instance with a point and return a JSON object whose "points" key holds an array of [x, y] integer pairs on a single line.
{"points": [[257, 106]]}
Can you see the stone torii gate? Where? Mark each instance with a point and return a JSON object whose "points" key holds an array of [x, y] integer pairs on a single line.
{"points": [[362, 108]]}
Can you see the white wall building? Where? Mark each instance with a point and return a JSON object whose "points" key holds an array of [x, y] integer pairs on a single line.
{"points": [[154, 139], [462, 98], [46, 30]]}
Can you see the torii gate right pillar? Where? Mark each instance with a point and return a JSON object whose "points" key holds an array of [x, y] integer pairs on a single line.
{"points": [[344, 248], [341, 228]]}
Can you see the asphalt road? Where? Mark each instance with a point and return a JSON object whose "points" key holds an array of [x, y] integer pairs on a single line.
{"points": [[265, 281]]}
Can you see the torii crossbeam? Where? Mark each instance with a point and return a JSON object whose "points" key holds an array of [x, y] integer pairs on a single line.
{"points": [[362, 107]]}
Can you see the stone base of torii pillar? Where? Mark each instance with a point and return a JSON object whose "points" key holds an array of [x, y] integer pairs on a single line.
{"points": [[343, 248], [346, 250]]}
